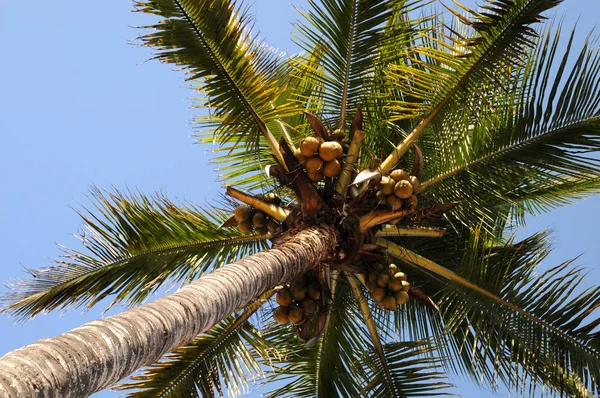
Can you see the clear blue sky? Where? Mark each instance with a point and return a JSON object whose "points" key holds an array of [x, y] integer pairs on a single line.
{"points": [[78, 107]]}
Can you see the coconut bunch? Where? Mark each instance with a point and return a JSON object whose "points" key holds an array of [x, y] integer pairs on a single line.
{"points": [[388, 286], [298, 301], [319, 158], [250, 220], [399, 190]]}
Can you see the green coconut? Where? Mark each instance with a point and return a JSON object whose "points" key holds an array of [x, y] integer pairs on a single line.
{"points": [[242, 213]]}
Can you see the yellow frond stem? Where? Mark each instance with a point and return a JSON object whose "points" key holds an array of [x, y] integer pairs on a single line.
{"points": [[277, 212]]}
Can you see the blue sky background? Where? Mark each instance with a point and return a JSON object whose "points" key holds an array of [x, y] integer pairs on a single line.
{"points": [[78, 106]]}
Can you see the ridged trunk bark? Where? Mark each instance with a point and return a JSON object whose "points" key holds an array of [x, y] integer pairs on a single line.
{"points": [[100, 353]]}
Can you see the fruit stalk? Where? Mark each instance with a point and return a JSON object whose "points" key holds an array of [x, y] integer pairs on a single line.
{"points": [[277, 212], [345, 176], [392, 230]]}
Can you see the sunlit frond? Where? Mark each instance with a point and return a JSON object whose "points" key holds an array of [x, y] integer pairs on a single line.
{"points": [[351, 33], [531, 327], [135, 244], [453, 66], [535, 150]]}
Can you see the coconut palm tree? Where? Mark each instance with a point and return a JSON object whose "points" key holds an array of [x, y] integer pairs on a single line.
{"points": [[373, 186]]}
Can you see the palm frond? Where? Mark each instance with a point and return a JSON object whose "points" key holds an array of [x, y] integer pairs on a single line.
{"points": [[530, 327], [135, 244], [534, 151], [451, 66], [245, 169], [212, 41], [225, 355], [384, 377], [415, 373], [400, 369], [350, 31]]}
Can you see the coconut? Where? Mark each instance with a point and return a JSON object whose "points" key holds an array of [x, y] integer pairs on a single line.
{"points": [[405, 286], [378, 267], [314, 164], [389, 303], [378, 293], [393, 268], [381, 196], [383, 280], [403, 189], [394, 202], [284, 298], [299, 156], [376, 179], [281, 315], [387, 185], [272, 226], [242, 213], [414, 181], [395, 285], [401, 297], [296, 315], [298, 291], [370, 285], [245, 227], [259, 219], [315, 177], [309, 146], [262, 230], [314, 292], [399, 175], [332, 168], [331, 150], [412, 202], [400, 275], [373, 276], [308, 305]]}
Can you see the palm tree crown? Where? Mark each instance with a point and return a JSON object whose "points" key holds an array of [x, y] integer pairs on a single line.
{"points": [[417, 137]]}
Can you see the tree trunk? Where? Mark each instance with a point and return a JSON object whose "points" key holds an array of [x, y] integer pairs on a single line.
{"points": [[100, 353]]}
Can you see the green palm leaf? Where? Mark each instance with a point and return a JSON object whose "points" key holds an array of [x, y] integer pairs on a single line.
{"points": [[530, 327], [415, 373], [135, 244], [535, 152], [210, 39], [350, 31], [451, 67], [400, 369]]}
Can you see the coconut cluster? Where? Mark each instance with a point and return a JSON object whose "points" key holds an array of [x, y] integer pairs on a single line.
{"points": [[399, 190], [319, 158], [298, 301], [250, 219], [388, 287]]}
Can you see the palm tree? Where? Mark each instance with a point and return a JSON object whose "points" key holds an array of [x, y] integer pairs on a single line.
{"points": [[490, 117]]}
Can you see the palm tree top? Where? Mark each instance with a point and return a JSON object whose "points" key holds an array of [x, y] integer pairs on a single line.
{"points": [[421, 136]]}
